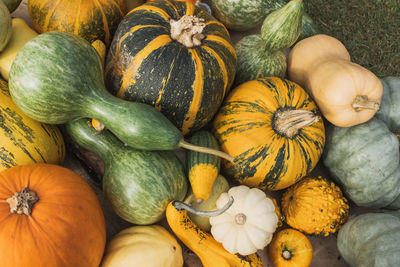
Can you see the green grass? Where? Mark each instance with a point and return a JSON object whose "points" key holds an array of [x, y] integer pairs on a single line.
{"points": [[370, 30]]}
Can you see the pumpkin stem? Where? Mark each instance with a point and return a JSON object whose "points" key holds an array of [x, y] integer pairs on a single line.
{"points": [[361, 102], [206, 150], [288, 122], [240, 218], [183, 206], [188, 30], [22, 202], [286, 254]]}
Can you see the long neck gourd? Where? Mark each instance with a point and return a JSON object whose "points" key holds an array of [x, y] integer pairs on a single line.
{"points": [[58, 77], [139, 184]]}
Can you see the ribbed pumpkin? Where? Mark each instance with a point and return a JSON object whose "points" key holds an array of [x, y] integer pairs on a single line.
{"points": [[389, 111], [23, 140], [49, 216], [175, 56], [274, 131], [91, 19], [364, 160], [371, 240], [315, 206]]}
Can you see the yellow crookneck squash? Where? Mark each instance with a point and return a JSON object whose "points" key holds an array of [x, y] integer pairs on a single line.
{"points": [[273, 129], [21, 33], [23, 140], [150, 246], [210, 252], [290, 248], [315, 206], [346, 93]]}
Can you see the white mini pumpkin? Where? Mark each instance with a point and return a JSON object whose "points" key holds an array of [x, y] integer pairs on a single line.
{"points": [[248, 225]]}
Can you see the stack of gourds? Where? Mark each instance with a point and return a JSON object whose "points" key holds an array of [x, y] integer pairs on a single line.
{"points": [[132, 86]]}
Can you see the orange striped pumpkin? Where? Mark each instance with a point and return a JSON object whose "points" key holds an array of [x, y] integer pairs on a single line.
{"points": [[183, 73], [273, 129], [91, 19]]}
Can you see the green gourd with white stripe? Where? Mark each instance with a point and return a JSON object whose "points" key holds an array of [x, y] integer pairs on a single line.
{"points": [[262, 55], [139, 184]]}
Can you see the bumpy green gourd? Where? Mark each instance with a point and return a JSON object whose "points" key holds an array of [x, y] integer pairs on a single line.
{"points": [[262, 55], [139, 184], [5, 26]]}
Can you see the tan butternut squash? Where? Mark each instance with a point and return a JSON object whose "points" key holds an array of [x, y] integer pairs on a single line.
{"points": [[346, 93]]}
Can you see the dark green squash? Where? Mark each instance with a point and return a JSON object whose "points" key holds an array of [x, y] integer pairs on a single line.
{"points": [[139, 184], [371, 240], [364, 160], [51, 86], [389, 110], [183, 73]]}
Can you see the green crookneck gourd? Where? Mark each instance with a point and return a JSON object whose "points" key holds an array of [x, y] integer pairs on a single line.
{"points": [[364, 160], [139, 184], [51, 86], [371, 240], [262, 55]]}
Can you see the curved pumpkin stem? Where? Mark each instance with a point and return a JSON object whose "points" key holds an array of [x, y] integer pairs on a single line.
{"points": [[180, 205], [362, 102], [188, 30], [288, 122], [22, 202]]}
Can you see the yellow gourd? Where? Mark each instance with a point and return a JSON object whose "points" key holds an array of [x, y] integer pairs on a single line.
{"points": [[346, 93], [315, 206], [210, 252], [23, 140], [150, 246], [21, 33], [290, 248]]}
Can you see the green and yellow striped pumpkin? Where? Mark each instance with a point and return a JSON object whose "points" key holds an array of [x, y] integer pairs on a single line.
{"points": [[23, 140], [91, 19], [273, 129], [183, 72]]}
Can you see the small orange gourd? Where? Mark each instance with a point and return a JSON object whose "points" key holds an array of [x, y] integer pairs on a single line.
{"points": [[315, 206], [346, 93], [290, 248], [49, 216]]}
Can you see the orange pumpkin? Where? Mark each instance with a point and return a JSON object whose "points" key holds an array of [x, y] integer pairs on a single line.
{"points": [[91, 19], [49, 216]]}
